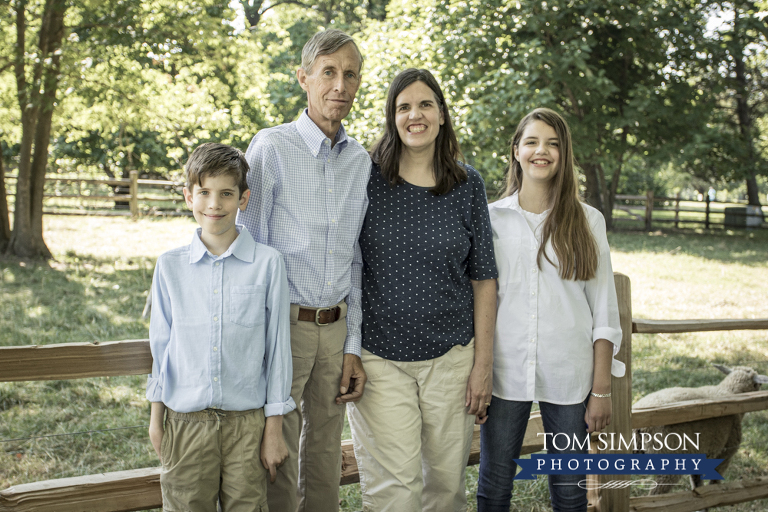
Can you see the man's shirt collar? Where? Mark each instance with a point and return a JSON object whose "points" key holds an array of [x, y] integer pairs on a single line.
{"points": [[314, 136], [243, 248]]}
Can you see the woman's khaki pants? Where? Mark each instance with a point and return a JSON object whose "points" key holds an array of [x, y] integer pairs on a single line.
{"points": [[412, 433]]}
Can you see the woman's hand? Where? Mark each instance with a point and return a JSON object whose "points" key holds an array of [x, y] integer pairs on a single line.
{"points": [[480, 383], [598, 415], [479, 387]]}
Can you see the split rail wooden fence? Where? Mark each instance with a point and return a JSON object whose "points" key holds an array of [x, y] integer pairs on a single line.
{"points": [[669, 209], [139, 489]]}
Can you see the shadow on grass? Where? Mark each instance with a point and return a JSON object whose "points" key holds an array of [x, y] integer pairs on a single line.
{"points": [[747, 247], [74, 299]]}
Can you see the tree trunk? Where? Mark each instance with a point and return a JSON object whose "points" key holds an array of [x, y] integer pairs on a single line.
{"points": [[5, 225], [753, 192], [37, 115], [743, 110], [592, 195]]}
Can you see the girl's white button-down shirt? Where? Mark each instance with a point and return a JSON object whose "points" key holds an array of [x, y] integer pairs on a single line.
{"points": [[546, 326]]}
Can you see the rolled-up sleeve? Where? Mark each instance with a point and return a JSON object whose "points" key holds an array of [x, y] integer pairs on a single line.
{"points": [[601, 295], [277, 353], [159, 332]]}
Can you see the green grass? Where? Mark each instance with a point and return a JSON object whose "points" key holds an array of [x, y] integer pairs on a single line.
{"points": [[96, 286]]}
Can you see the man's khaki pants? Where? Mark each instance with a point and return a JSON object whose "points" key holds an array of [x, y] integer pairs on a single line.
{"points": [[308, 481], [412, 433]]}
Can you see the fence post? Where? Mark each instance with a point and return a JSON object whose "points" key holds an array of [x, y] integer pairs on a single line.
{"points": [[134, 191], [648, 209], [706, 216], [677, 209], [617, 499]]}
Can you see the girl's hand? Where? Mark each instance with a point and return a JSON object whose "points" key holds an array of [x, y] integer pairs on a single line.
{"points": [[273, 450], [479, 387], [598, 415]]}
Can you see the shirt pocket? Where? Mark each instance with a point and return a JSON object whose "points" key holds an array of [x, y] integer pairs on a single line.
{"points": [[508, 252], [247, 305]]}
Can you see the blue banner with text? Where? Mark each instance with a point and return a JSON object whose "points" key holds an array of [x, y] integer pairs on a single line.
{"points": [[618, 464]]}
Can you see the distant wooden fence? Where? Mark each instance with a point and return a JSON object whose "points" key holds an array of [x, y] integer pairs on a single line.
{"points": [[139, 489], [125, 191], [668, 211]]}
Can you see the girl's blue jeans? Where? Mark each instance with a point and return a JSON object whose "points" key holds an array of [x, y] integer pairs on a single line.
{"points": [[501, 439]]}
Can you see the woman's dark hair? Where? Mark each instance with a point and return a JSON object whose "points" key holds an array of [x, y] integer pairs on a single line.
{"points": [[387, 150]]}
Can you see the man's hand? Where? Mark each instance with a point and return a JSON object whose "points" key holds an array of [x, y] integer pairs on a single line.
{"points": [[479, 388], [598, 415], [353, 380], [273, 450]]}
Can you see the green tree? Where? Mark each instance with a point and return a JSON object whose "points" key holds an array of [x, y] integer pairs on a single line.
{"points": [[50, 40], [734, 72]]}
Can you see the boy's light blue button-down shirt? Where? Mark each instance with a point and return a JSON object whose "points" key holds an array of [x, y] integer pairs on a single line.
{"points": [[220, 329], [308, 201]]}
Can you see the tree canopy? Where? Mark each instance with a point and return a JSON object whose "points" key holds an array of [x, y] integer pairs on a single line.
{"points": [[103, 88]]}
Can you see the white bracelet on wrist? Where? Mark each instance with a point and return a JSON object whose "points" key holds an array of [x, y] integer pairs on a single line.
{"points": [[600, 395]]}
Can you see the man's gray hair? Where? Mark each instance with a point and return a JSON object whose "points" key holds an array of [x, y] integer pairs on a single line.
{"points": [[325, 43]]}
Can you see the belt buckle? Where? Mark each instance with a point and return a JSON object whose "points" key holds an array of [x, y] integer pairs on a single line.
{"points": [[317, 316]]}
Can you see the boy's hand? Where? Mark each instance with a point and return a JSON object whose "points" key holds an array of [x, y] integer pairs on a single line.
{"points": [[156, 429], [156, 436], [273, 450]]}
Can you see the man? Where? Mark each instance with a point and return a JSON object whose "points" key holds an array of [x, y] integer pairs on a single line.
{"points": [[308, 200]]}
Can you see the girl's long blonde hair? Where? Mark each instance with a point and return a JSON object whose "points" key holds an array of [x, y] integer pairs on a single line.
{"points": [[566, 224]]}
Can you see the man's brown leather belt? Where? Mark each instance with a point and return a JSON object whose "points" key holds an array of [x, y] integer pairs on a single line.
{"points": [[321, 316]]}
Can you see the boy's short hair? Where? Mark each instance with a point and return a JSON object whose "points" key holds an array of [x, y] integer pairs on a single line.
{"points": [[214, 159]]}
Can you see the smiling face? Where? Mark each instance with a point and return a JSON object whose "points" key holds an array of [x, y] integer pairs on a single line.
{"points": [[331, 87], [418, 117], [538, 152], [214, 204]]}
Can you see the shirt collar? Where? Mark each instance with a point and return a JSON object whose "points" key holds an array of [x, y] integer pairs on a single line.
{"points": [[511, 202], [243, 248], [314, 136]]}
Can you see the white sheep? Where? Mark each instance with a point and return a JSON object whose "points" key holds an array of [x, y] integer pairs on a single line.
{"points": [[719, 437]]}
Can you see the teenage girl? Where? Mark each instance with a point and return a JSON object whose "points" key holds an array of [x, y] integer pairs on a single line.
{"points": [[557, 326]]}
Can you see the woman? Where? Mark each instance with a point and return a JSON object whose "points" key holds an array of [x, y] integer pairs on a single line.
{"points": [[429, 306]]}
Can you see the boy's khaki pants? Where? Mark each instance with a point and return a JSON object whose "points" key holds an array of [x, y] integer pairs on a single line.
{"points": [[213, 455], [308, 481]]}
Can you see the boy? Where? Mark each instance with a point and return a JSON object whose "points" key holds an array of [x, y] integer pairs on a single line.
{"points": [[220, 340]]}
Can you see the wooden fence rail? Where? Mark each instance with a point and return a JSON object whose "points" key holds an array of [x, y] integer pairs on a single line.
{"points": [[139, 489], [131, 185], [643, 212], [752, 216]]}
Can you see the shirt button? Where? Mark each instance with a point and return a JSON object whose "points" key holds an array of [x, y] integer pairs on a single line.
{"points": [[215, 319], [330, 190], [326, 142], [330, 252], [329, 282], [533, 316], [333, 220], [215, 379], [216, 349], [533, 340], [533, 271], [217, 263], [215, 291], [532, 363], [533, 293]]}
